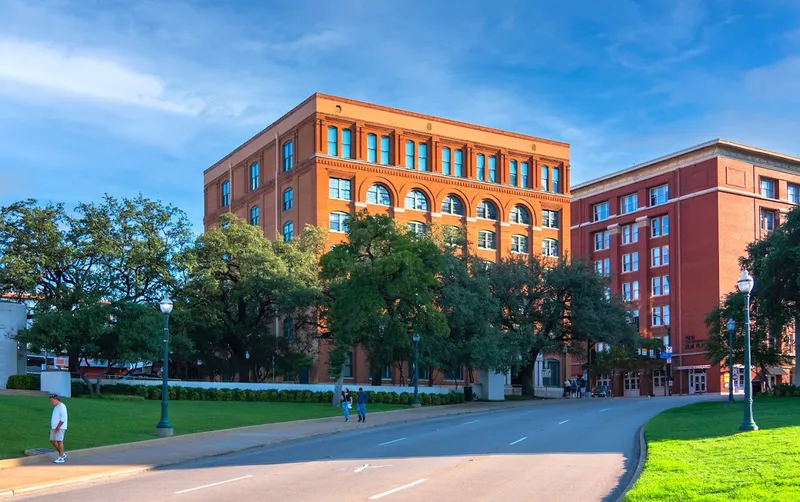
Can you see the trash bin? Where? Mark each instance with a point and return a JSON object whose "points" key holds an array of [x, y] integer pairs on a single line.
{"points": [[468, 393]]}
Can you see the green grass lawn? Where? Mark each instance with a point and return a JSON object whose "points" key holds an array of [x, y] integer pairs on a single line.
{"points": [[695, 453], [25, 421]]}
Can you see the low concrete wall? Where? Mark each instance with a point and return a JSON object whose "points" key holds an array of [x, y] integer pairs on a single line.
{"points": [[548, 392], [280, 386]]}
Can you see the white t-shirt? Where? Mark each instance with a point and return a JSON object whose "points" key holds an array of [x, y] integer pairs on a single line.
{"points": [[59, 415]]}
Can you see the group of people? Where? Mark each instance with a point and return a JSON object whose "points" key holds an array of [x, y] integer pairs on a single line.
{"points": [[575, 387], [361, 404]]}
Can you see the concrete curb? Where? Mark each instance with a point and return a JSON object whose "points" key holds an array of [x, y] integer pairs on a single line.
{"points": [[279, 442], [639, 464]]}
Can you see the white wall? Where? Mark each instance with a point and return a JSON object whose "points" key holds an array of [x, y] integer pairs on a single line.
{"points": [[13, 316], [282, 386]]}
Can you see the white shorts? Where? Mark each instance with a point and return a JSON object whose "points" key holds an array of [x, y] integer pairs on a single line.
{"points": [[57, 436], [583, 389]]}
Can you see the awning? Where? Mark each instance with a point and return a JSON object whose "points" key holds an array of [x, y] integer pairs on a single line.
{"points": [[776, 371]]}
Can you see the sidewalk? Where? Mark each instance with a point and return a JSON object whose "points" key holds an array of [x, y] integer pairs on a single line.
{"points": [[31, 474]]}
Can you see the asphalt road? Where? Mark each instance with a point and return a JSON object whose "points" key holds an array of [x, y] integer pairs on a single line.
{"points": [[569, 450]]}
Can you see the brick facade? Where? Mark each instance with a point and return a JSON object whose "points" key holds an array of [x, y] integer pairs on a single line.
{"points": [[379, 139]]}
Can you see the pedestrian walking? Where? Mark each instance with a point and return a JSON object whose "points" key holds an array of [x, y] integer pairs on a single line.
{"points": [[582, 384], [347, 403], [361, 405], [574, 387], [58, 426]]}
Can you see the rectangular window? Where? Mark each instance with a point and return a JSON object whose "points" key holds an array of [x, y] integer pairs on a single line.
{"points": [[768, 220], [545, 178], [607, 267], [409, 154], [254, 215], [793, 192], [288, 231], [519, 244], [655, 257], [254, 181], [630, 262], [347, 368], [549, 218], [556, 184], [225, 194], [288, 199], [659, 226], [661, 316], [768, 188], [422, 157], [550, 247], [626, 291], [385, 145], [630, 234], [601, 211], [659, 195], [446, 161], [523, 171], [339, 188], [602, 240], [628, 203], [333, 141], [665, 284], [512, 173], [635, 293], [338, 222], [481, 166], [487, 240], [493, 168], [459, 163], [288, 156], [372, 148], [347, 138], [665, 314], [665, 255], [656, 289]]}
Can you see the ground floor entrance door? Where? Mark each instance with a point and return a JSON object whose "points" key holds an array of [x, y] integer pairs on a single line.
{"points": [[697, 382], [659, 382]]}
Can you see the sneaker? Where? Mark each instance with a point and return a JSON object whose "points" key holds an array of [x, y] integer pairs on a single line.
{"points": [[64, 455], [59, 460]]}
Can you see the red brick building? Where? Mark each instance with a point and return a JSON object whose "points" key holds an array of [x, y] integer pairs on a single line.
{"points": [[669, 234], [331, 156]]}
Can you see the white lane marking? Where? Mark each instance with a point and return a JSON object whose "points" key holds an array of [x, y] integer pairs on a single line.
{"points": [[518, 441], [395, 490], [367, 466], [605, 409], [470, 422], [563, 422], [213, 484], [392, 441]]}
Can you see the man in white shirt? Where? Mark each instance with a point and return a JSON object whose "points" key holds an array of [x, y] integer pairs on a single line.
{"points": [[58, 425]]}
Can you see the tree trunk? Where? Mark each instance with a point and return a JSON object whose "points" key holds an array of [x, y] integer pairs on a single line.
{"points": [[337, 390], [526, 375]]}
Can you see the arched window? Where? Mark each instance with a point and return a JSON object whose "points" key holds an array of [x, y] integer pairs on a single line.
{"points": [[417, 227], [520, 215], [487, 210], [416, 200], [519, 244], [254, 216], [338, 221], [288, 199], [288, 231], [550, 247], [379, 194], [452, 205]]}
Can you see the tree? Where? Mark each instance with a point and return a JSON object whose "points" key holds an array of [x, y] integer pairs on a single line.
{"points": [[114, 253], [379, 289], [240, 287], [775, 264], [768, 339], [547, 304]]}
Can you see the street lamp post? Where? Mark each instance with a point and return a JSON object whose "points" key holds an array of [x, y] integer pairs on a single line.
{"points": [[415, 402], [164, 427], [564, 381], [731, 327], [745, 284]]}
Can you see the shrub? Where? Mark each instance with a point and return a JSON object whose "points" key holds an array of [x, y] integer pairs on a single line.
{"points": [[141, 391], [79, 389], [211, 394], [153, 392], [272, 395], [425, 399], [436, 399], [119, 397]]}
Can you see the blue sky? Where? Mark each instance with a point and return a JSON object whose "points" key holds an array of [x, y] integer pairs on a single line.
{"points": [[127, 97]]}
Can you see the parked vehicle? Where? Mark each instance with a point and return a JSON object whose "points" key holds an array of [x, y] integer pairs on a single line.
{"points": [[601, 391]]}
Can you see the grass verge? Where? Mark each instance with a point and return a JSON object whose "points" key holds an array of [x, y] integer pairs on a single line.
{"points": [[696, 453], [100, 422]]}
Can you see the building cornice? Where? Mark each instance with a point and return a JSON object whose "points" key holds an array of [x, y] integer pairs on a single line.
{"points": [[683, 158]]}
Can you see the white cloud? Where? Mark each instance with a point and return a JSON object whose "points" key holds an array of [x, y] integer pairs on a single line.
{"points": [[35, 66]]}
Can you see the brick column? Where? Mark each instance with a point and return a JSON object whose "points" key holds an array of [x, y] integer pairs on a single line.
{"points": [[614, 256], [643, 276]]}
